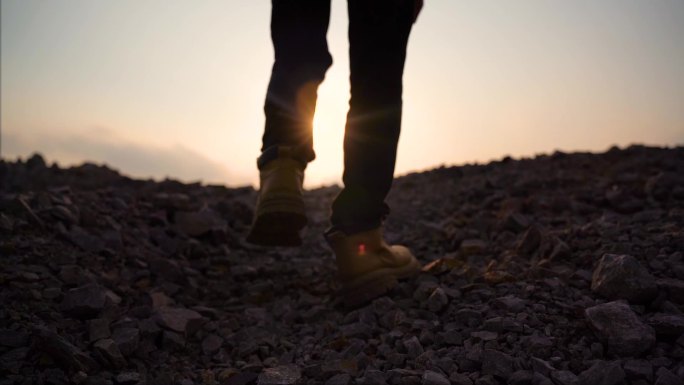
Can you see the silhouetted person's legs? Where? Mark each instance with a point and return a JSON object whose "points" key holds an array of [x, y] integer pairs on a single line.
{"points": [[298, 31], [378, 35]]}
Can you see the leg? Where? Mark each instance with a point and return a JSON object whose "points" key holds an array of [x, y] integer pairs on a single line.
{"points": [[378, 35], [298, 31]]}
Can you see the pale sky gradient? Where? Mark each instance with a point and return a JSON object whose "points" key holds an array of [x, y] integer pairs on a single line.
{"points": [[176, 87]]}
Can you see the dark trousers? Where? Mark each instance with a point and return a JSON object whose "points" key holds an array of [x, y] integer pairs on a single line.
{"points": [[378, 34]]}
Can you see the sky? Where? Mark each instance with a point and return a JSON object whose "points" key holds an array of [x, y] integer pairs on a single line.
{"points": [[175, 88]]}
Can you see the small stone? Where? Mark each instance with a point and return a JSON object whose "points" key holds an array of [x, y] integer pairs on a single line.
{"points": [[511, 303], [84, 302], [617, 325], [666, 377], [434, 378], [339, 379], [638, 369], [110, 353], [468, 317], [602, 372], [211, 344], [128, 378], [72, 275], [243, 378], [179, 319], [160, 299], [538, 345], [413, 347], [356, 330], [521, 377], [674, 289], [529, 242], [460, 379], [667, 324], [127, 340], [541, 366], [194, 224], [61, 351], [623, 277], [486, 380], [98, 328], [484, 335], [280, 375], [437, 301], [472, 247], [564, 377], [373, 377], [497, 363], [52, 292], [172, 341]]}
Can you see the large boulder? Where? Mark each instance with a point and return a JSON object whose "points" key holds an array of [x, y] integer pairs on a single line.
{"points": [[623, 277], [620, 329]]}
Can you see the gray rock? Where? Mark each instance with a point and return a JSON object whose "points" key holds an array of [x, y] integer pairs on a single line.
{"points": [[638, 369], [84, 302], [280, 375], [356, 330], [666, 377], [497, 363], [541, 366], [460, 379], [674, 289], [127, 378], [484, 335], [413, 347], [179, 319], [472, 247], [623, 277], [172, 341], [110, 354], [510, 303], [620, 329], [540, 379], [602, 372], [468, 317], [197, 223], [667, 324], [339, 379], [538, 345], [211, 343], [127, 340], [564, 377], [373, 377], [62, 351], [98, 328], [437, 300], [520, 377], [486, 380], [434, 378]]}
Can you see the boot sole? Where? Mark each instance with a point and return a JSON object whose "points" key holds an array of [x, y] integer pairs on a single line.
{"points": [[278, 223], [375, 284]]}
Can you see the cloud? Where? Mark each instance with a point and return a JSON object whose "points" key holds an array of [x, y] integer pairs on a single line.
{"points": [[100, 145]]}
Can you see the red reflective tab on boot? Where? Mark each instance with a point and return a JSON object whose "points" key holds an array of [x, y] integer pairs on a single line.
{"points": [[362, 249]]}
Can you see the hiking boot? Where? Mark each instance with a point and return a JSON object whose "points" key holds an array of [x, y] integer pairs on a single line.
{"points": [[368, 267], [279, 213]]}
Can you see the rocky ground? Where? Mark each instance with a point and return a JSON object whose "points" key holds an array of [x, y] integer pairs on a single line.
{"points": [[562, 269]]}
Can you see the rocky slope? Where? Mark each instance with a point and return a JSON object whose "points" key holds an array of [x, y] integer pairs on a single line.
{"points": [[562, 269]]}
